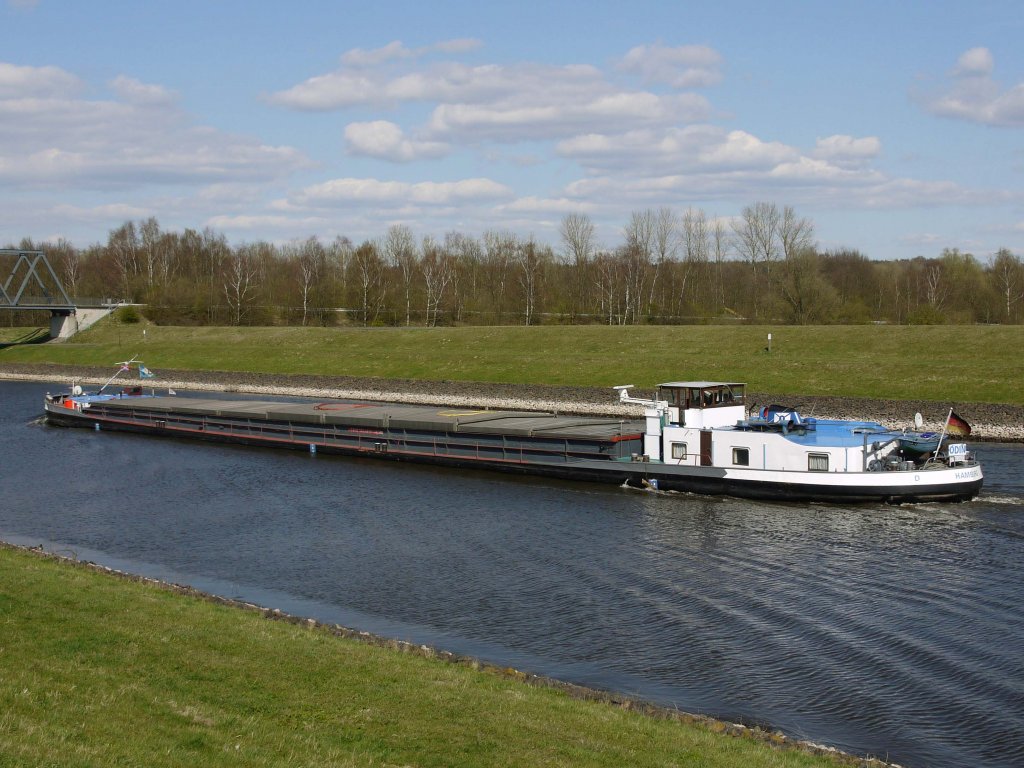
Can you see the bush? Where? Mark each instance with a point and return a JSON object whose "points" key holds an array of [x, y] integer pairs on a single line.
{"points": [[926, 314], [127, 315]]}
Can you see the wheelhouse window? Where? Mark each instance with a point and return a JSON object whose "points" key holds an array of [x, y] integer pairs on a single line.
{"points": [[741, 457], [678, 450], [708, 395], [817, 462]]}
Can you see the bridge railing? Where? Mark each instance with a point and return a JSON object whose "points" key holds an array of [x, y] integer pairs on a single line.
{"points": [[92, 302], [35, 301]]}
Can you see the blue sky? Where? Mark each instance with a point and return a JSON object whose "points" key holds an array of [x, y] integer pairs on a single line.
{"points": [[897, 128]]}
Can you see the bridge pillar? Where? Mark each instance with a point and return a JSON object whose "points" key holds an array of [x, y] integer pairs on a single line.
{"points": [[63, 324]]}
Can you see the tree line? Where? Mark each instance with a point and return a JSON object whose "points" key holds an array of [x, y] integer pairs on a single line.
{"points": [[667, 268]]}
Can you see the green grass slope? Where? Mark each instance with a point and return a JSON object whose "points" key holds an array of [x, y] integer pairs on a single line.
{"points": [[100, 671], [967, 363]]}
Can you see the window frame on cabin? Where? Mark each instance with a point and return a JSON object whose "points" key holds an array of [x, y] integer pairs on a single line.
{"points": [[819, 457]]}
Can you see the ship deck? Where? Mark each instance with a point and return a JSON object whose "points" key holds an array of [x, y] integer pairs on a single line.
{"points": [[391, 416]]}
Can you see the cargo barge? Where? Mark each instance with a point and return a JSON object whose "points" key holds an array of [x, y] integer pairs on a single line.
{"points": [[696, 437]]}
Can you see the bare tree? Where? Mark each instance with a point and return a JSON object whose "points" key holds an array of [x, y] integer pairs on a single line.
{"points": [[1008, 272], [720, 244], [808, 296], [123, 244], [499, 254], [400, 250], [577, 231], [757, 235], [69, 261], [664, 246], [466, 256], [436, 268], [636, 259], [796, 234], [369, 269], [189, 254], [531, 259], [150, 250], [337, 259], [309, 259], [216, 250], [240, 275], [695, 247], [935, 287], [606, 280], [757, 240]]}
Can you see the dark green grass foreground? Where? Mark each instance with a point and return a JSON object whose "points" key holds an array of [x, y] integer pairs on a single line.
{"points": [[960, 363], [101, 671]]}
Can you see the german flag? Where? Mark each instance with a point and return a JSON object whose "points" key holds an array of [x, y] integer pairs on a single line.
{"points": [[957, 425]]}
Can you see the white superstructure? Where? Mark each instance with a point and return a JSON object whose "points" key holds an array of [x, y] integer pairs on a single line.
{"points": [[705, 426]]}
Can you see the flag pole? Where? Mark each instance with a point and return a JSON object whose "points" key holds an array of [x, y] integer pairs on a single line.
{"points": [[125, 366], [944, 428]]}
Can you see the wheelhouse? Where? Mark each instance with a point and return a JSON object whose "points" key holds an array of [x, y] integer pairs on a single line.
{"points": [[687, 395]]}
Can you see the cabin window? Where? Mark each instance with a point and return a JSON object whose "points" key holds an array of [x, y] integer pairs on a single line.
{"points": [[678, 450], [817, 462], [741, 456]]}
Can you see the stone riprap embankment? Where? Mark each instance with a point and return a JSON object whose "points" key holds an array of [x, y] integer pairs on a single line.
{"points": [[989, 421]]}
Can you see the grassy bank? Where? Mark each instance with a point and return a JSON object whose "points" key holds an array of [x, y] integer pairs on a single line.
{"points": [[966, 363], [23, 335], [96, 670]]}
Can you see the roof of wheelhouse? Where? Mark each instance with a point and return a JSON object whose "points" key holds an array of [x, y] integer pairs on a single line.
{"points": [[701, 384]]}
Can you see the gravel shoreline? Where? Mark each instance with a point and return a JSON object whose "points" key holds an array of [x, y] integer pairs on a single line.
{"points": [[995, 422]]}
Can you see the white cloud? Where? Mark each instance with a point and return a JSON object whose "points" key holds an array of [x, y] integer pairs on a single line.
{"points": [[458, 45], [136, 92], [50, 135], [803, 182], [976, 62], [695, 148], [914, 193], [496, 102], [395, 50], [743, 150], [17, 82], [108, 212], [559, 206], [807, 170], [261, 223], [926, 239], [687, 66], [846, 149], [697, 163], [235, 193], [448, 82], [348, 192], [331, 91], [538, 117], [358, 57], [385, 140], [976, 97]]}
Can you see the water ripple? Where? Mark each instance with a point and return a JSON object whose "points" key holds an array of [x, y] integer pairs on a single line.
{"points": [[893, 631]]}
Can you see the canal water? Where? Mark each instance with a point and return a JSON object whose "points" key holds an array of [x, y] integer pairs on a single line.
{"points": [[891, 631]]}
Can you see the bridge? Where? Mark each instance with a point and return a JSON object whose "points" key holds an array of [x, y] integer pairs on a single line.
{"points": [[29, 282]]}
